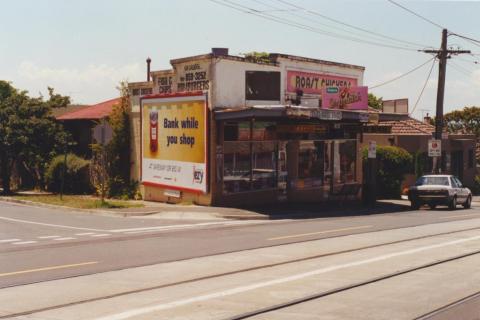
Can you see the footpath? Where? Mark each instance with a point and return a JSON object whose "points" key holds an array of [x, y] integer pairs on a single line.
{"points": [[156, 210]]}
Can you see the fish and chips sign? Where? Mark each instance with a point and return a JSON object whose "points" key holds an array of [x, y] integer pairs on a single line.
{"points": [[346, 98], [174, 142]]}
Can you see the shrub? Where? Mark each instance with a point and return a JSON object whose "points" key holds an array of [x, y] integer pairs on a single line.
{"points": [[76, 174], [476, 186], [392, 164]]}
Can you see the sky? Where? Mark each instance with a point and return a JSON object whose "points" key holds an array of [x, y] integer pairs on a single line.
{"points": [[85, 48]]}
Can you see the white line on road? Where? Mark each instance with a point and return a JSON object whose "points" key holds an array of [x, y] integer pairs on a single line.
{"points": [[63, 239], [84, 234], [24, 242], [8, 240], [48, 237], [50, 225], [164, 306], [189, 226], [48, 268], [319, 232], [100, 235]]}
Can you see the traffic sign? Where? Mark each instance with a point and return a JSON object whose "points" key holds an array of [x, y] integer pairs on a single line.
{"points": [[434, 148], [372, 149]]}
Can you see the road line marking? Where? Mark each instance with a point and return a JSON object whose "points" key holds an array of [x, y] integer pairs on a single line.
{"points": [[189, 226], [84, 234], [48, 237], [9, 240], [50, 225], [48, 268], [319, 232], [460, 216], [24, 242], [100, 235], [236, 290], [65, 238]]}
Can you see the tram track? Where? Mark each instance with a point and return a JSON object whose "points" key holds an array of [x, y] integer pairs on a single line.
{"points": [[437, 313], [265, 266]]}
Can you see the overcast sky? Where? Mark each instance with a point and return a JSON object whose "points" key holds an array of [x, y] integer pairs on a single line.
{"points": [[85, 48]]}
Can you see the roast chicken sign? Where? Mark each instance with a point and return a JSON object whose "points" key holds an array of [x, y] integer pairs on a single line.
{"points": [[347, 98]]}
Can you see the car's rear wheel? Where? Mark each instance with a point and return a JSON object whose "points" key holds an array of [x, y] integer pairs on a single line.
{"points": [[432, 205], [453, 204], [468, 203]]}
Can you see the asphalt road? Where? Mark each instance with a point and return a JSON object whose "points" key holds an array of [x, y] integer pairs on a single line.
{"points": [[40, 244]]}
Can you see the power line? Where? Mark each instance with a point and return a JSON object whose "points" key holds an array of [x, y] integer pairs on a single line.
{"points": [[416, 14], [424, 86], [316, 13], [252, 11], [402, 75], [294, 8]]}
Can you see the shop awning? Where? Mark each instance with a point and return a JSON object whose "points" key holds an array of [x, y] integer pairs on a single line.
{"points": [[291, 112]]}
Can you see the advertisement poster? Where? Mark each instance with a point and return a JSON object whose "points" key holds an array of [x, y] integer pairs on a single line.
{"points": [[312, 83], [353, 98], [174, 142]]}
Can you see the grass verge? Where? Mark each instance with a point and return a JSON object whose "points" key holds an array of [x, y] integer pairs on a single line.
{"points": [[78, 201]]}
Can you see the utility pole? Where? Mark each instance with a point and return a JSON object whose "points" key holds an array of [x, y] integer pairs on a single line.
{"points": [[443, 54]]}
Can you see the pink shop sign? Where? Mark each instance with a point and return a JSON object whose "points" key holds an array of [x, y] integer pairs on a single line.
{"points": [[312, 83], [353, 98]]}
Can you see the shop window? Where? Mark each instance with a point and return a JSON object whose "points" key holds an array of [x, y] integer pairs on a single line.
{"points": [[345, 161], [263, 130], [313, 164], [264, 162], [236, 131], [236, 167], [262, 85]]}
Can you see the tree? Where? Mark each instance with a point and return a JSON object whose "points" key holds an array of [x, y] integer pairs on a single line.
{"points": [[464, 121], [29, 134], [374, 102]]}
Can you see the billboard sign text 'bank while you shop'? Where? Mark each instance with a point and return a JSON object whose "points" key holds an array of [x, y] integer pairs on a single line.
{"points": [[174, 142]]}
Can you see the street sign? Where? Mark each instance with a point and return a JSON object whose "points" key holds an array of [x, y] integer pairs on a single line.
{"points": [[434, 148], [444, 135], [372, 149]]}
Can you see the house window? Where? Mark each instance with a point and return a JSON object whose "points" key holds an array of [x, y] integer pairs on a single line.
{"points": [[262, 85], [471, 158]]}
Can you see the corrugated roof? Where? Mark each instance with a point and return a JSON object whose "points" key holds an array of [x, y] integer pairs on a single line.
{"points": [[95, 112]]}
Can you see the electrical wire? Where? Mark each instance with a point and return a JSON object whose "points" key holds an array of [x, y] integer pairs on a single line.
{"points": [[248, 10], [416, 14], [460, 68], [424, 86], [295, 8], [402, 75], [316, 13]]}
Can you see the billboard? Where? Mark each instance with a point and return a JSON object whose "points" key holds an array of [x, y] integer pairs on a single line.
{"points": [[312, 83], [174, 141], [353, 98]]}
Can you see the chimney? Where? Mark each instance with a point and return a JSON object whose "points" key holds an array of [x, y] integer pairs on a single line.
{"points": [[148, 68], [220, 51], [427, 119]]}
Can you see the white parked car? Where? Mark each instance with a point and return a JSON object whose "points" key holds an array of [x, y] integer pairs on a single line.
{"points": [[439, 190]]}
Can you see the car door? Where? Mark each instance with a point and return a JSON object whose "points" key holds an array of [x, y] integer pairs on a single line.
{"points": [[456, 189], [462, 191]]}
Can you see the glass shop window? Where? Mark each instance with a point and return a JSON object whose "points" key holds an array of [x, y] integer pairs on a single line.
{"points": [[264, 165], [262, 85], [263, 130], [236, 167], [236, 131], [312, 163], [345, 161]]}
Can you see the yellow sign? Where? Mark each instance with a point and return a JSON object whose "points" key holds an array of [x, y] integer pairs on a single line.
{"points": [[174, 141]]}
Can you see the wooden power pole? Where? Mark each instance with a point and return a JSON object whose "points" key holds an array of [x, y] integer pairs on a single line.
{"points": [[443, 54]]}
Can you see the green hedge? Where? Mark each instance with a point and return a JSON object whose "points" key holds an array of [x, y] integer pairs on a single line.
{"points": [[392, 164], [77, 179]]}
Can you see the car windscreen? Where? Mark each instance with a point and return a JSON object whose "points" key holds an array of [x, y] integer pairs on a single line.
{"points": [[424, 181]]}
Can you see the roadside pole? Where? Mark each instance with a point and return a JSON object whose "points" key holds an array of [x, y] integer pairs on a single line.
{"points": [[372, 174]]}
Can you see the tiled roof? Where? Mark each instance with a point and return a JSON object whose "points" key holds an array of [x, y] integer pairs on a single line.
{"points": [[408, 126], [94, 112]]}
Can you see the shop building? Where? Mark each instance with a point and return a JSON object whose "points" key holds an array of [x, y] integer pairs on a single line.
{"points": [[218, 129]]}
